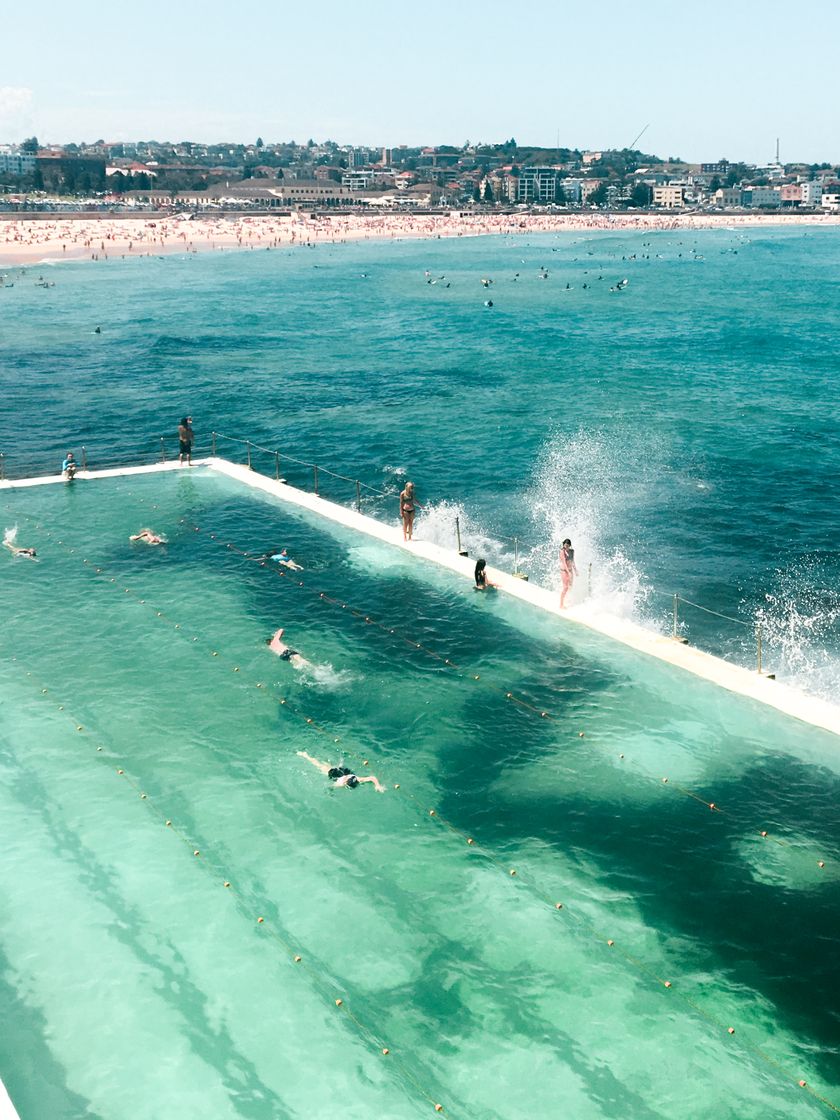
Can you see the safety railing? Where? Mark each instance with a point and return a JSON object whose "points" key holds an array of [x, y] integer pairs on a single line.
{"points": [[283, 467], [277, 463], [678, 623]]}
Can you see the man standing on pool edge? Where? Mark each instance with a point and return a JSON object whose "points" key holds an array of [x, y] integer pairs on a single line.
{"points": [[185, 440]]}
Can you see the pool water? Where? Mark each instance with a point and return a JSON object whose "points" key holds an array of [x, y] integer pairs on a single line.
{"points": [[137, 690]]}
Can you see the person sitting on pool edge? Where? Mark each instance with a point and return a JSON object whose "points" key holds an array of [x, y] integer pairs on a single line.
{"points": [[341, 775], [69, 467], [482, 583], [284, 652]]}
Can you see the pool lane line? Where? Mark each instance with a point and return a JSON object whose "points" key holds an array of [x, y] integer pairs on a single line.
{"points": [[647, 778], [665, 781], [525, 705], [531, 886], [635, 962], [295, 952], [713, 806]]}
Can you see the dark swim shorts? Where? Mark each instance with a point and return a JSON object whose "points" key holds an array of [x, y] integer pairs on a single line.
{"points": [[184, 448], [336, 772], [287, 655]]}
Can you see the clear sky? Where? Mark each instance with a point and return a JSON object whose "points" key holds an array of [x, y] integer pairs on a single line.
{"points": [[709, 80]]}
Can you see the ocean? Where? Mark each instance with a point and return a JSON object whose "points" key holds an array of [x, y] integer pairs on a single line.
{"points": [[679, 427]]}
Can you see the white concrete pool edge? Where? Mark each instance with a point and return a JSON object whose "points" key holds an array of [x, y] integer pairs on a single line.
{"points": [[7, 1109], [733, 678]]}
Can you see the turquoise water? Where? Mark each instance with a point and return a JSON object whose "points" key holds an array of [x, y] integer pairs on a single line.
{"points": [[133, 983], [681, 431]]}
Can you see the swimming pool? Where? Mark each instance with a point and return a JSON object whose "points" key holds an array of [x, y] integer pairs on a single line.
{"points": [[138, 984]]}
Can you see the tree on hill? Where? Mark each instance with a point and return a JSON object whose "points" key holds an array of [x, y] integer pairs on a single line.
{"points": [[30, 144]]}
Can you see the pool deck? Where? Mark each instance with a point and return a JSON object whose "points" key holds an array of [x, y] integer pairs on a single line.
{"points": [[734, 678]]}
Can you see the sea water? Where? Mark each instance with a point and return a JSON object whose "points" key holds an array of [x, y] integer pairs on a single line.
{"points": [[138, 690], [681, 430]]}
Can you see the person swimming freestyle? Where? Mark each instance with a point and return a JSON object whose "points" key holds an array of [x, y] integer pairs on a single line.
{"points": [[285, 652], [341, 775]]}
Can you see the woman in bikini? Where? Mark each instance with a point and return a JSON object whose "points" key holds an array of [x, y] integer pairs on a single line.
{"points": [[408, 503]]}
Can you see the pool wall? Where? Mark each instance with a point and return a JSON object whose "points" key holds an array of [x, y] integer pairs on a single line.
{"points": [[733, 678]]}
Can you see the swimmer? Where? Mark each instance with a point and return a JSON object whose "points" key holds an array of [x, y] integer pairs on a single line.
{"points": [[282, 557], [488, 303], [69, 467], [148, 537], [9, 539], [341, 775], [482, 583], [284, 652]]}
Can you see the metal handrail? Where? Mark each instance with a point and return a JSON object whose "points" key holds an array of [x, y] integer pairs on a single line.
{"points": [[155, 448]]}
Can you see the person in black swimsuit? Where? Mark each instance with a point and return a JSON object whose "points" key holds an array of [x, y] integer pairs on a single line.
{"points": [[341, 775], [482, 583], [408, 504]]}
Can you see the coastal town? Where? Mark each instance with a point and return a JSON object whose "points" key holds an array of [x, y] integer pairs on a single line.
{"points": [[151, 175]]}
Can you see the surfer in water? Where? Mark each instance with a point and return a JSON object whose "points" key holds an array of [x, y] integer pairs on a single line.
{"points": [[341, 775]]}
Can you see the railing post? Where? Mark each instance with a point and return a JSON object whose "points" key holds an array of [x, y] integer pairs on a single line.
{"points": [[758, 645], [213, 444], [589, 582], [358, 496], [315, 476], [84, 458], [2, 465], [516, 556], [277, 465], [676, 600], [248, 445], [162, 450]]}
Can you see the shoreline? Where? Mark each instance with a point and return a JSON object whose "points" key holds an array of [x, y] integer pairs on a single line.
{"points": [[24, 242]]}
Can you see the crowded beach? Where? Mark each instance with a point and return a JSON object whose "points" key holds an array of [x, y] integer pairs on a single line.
{"points": [[24, 240]]}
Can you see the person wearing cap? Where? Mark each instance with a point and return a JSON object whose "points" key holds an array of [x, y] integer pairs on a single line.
{"points": [[341, 775]]}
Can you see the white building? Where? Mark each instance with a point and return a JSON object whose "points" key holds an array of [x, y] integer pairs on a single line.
{"points": [[811, 192], [670, 196]]}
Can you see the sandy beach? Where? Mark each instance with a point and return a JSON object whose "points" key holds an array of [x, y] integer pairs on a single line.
{"points": [[26, 241]]}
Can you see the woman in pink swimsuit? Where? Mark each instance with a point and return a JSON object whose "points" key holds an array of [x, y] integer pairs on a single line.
{"points": [[568, 571]]}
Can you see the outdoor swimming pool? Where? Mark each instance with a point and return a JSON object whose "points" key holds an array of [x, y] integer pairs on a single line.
{"points": [[137, 984]]}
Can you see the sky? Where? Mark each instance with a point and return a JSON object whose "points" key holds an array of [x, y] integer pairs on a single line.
{"points": [[705, 82]]}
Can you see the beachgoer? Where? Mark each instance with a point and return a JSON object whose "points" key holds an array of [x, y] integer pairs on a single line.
{"points": [[69, 467], [186, 438], [9, 541], [568, 571], [481, 581], [341, 775], [281, 556], [148, 537], [284, 652], [408, 504]]}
